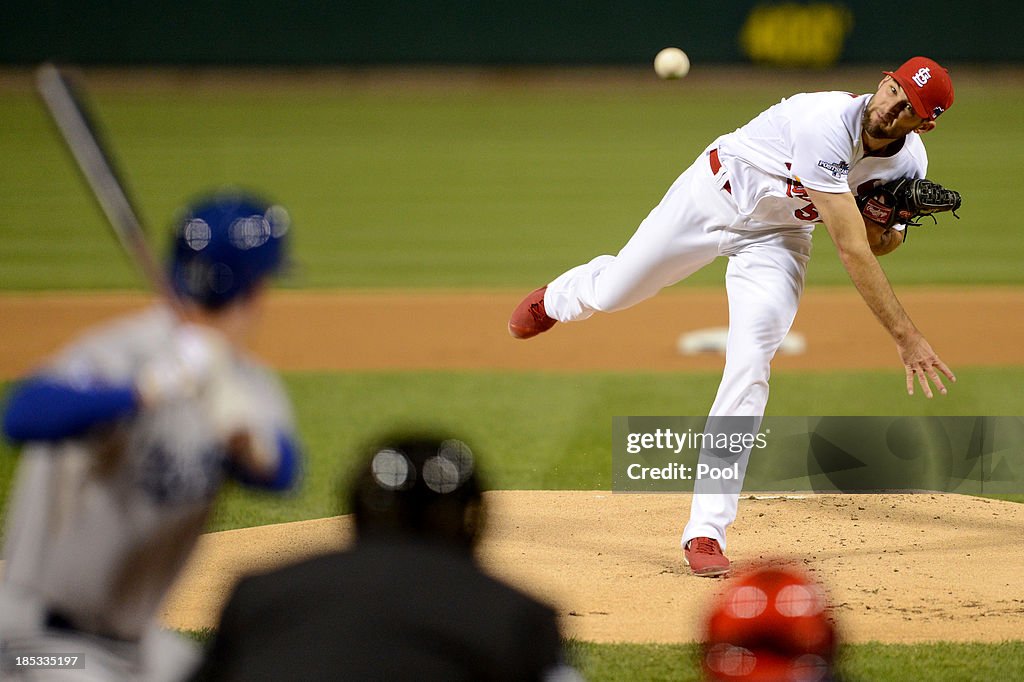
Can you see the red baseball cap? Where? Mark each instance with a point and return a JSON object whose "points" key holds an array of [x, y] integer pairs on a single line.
{"points": [[927, 85]]}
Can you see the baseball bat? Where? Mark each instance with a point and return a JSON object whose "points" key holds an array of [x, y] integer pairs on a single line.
{"points": [[66, 104]]}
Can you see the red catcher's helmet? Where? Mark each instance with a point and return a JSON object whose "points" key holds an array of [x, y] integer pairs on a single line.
{"points": [[770, 625]]}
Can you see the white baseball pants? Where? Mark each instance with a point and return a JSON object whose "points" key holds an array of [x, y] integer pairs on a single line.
{"points": [[694, 224]]}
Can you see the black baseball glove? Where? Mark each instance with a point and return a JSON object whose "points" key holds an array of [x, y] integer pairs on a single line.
{"points": [[905, 200]]}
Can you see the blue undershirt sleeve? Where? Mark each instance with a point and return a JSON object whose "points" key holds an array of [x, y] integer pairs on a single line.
{"points": [[43, 408]]}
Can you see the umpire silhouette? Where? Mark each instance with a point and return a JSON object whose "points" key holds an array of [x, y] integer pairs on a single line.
{"points": [[406, 601]]}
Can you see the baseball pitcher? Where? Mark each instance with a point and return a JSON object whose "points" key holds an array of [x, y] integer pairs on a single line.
{"points": [[129, 433], [853, 162]]}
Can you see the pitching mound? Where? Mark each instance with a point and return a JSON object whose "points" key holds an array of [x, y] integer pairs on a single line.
{"points": [[899, 568]]}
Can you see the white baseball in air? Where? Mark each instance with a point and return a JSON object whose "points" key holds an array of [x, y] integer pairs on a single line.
{"points": [[671, 63]]}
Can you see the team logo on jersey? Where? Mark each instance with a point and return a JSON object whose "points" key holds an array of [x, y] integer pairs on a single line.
{"points": [[795, 189], [170, 477], [837, 169]]}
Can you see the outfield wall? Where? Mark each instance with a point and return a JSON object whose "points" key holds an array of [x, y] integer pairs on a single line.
{"points": [[236, 32]]}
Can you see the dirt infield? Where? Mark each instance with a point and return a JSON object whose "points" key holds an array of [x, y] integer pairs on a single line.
{"points": [[418, 330], [900, 568]]}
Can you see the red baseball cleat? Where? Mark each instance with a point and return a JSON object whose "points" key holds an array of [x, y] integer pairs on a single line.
{"points": [[529, 318], [704, 557]]}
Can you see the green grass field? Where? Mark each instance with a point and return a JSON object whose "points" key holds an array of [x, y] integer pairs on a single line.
{"points": [[857, 663], [547, 431], [502, 187], [492, 187]]}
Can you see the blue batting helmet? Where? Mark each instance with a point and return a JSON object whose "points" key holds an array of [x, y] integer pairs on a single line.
{"points": [[224, 246]]}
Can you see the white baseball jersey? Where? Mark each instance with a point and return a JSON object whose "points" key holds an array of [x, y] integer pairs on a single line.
{"points": [[808, 140], [99, 526]]}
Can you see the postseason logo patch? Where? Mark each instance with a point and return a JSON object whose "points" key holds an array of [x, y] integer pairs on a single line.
{"points": [[837, 169]]}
